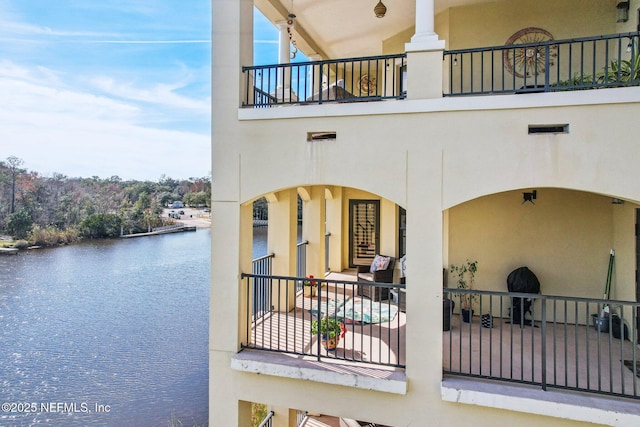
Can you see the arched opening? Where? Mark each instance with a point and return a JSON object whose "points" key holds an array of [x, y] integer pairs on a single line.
{"points": [[310, 276], [577, 330]]}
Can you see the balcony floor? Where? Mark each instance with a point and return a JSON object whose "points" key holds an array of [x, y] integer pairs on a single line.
{"points": [[589, 360], [364, 342], [372, 343], [578, 356]]}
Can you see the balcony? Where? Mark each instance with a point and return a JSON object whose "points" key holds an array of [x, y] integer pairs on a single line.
{"points": [[595, 62], [338, 80], [561, 342], [283, 311]]}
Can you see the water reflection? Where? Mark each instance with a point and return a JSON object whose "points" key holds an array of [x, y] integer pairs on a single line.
{"points": [[122, 324]]}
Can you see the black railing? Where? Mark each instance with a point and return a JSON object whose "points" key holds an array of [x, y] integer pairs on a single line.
{"points": [[335, 80], [373, 330], [301, 264], [551, 341], [327, 240], [545, 66], [261, 296]]}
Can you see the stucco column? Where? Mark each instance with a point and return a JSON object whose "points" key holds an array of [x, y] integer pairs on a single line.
{"points": [[313, 230], [283, 91], [232, 42], [424, 268], [334, 226], [282, 240], [425, 28], [424, 56], [284, 48]]}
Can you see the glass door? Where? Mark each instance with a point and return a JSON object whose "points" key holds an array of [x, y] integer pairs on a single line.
{"points": [[364, 231]]}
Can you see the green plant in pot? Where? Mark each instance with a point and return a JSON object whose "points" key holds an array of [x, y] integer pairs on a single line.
{"points": [[625, 70], [330, 330], [465, 275]]}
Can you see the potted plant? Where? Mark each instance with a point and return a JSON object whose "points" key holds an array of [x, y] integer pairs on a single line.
{"points": [[309, 286], [466, 299], [330, 330]]}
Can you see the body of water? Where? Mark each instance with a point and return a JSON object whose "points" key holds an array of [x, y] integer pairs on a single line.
{"points": [[108, 333]]}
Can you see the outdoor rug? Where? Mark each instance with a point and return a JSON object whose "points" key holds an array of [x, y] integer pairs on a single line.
{"points": [[629, 364], [327, 307], [356, 310]]}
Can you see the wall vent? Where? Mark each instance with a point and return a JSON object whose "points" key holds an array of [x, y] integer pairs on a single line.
{"points": [[321, 136], [536, 129]]}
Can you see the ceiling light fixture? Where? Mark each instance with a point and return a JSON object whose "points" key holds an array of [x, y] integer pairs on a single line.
{"points": [[380, 10], [529, 197]]}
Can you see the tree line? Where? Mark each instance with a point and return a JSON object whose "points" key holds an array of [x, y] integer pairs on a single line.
{"points": [[56, 209]]}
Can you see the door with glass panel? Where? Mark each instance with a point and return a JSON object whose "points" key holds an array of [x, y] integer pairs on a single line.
{"points": [[364, 231]]}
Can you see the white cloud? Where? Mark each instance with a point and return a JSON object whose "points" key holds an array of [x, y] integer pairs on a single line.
{"points": [[97, 88], [161, 94], [57, 129]]}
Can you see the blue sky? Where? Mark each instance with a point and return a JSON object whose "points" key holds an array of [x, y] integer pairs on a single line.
{"points": [[109, 87], [265, 42]]}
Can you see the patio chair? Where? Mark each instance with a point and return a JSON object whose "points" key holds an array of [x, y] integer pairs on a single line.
{"points": [[380, 271]]}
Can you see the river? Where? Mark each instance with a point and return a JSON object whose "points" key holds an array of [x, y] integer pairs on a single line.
{"points": [[106, 333]]}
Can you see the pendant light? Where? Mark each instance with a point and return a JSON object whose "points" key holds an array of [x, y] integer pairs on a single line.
{"points": [[380, 9]]}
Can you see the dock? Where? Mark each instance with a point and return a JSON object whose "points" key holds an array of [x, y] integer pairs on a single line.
{"points": [[177, 228]]}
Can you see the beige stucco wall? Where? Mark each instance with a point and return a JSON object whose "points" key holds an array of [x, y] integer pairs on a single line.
{"points": [[475, 174], [459, 26], [565, 239], [446, 162], [492, 23], [452, 163]]}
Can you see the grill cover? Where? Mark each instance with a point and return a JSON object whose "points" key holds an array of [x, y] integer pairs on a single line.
{"points": [[522, 280]]}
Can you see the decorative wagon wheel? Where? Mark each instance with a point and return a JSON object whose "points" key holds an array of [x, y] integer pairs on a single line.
{"points": [[367, 85], [529, 60]]}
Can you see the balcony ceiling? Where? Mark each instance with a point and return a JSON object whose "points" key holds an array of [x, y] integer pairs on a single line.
{"points": [[342, 29]]}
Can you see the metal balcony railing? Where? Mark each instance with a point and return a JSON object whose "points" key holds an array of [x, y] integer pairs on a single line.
{"points": [[327, 240], [335, 80], [301, 258], [580, 344], [545, 66], [374, 329], [261, 293]]}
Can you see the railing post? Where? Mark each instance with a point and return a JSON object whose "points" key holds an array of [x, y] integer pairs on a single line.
{"points": [[547, 67], [543, 332], [326, 252]]}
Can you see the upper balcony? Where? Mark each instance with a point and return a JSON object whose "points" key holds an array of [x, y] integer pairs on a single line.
{"points": [[419, 49], [532, 62]]}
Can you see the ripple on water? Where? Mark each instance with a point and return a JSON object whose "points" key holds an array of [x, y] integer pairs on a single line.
{"points": [[119, 323]]}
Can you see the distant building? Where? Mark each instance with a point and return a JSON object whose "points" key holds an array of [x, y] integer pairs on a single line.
{"points": [[177, 205]]}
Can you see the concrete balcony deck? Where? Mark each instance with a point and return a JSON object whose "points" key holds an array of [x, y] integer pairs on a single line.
{"points": [[577, 356]]}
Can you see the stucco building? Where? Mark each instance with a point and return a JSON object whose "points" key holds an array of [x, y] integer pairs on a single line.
{"points": [[426, 133]]}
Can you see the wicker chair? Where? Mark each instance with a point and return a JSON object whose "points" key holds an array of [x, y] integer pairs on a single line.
{"points": [[375, 293]]}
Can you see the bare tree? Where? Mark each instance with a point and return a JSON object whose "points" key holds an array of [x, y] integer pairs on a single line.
{"points": [[14, 164]]}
